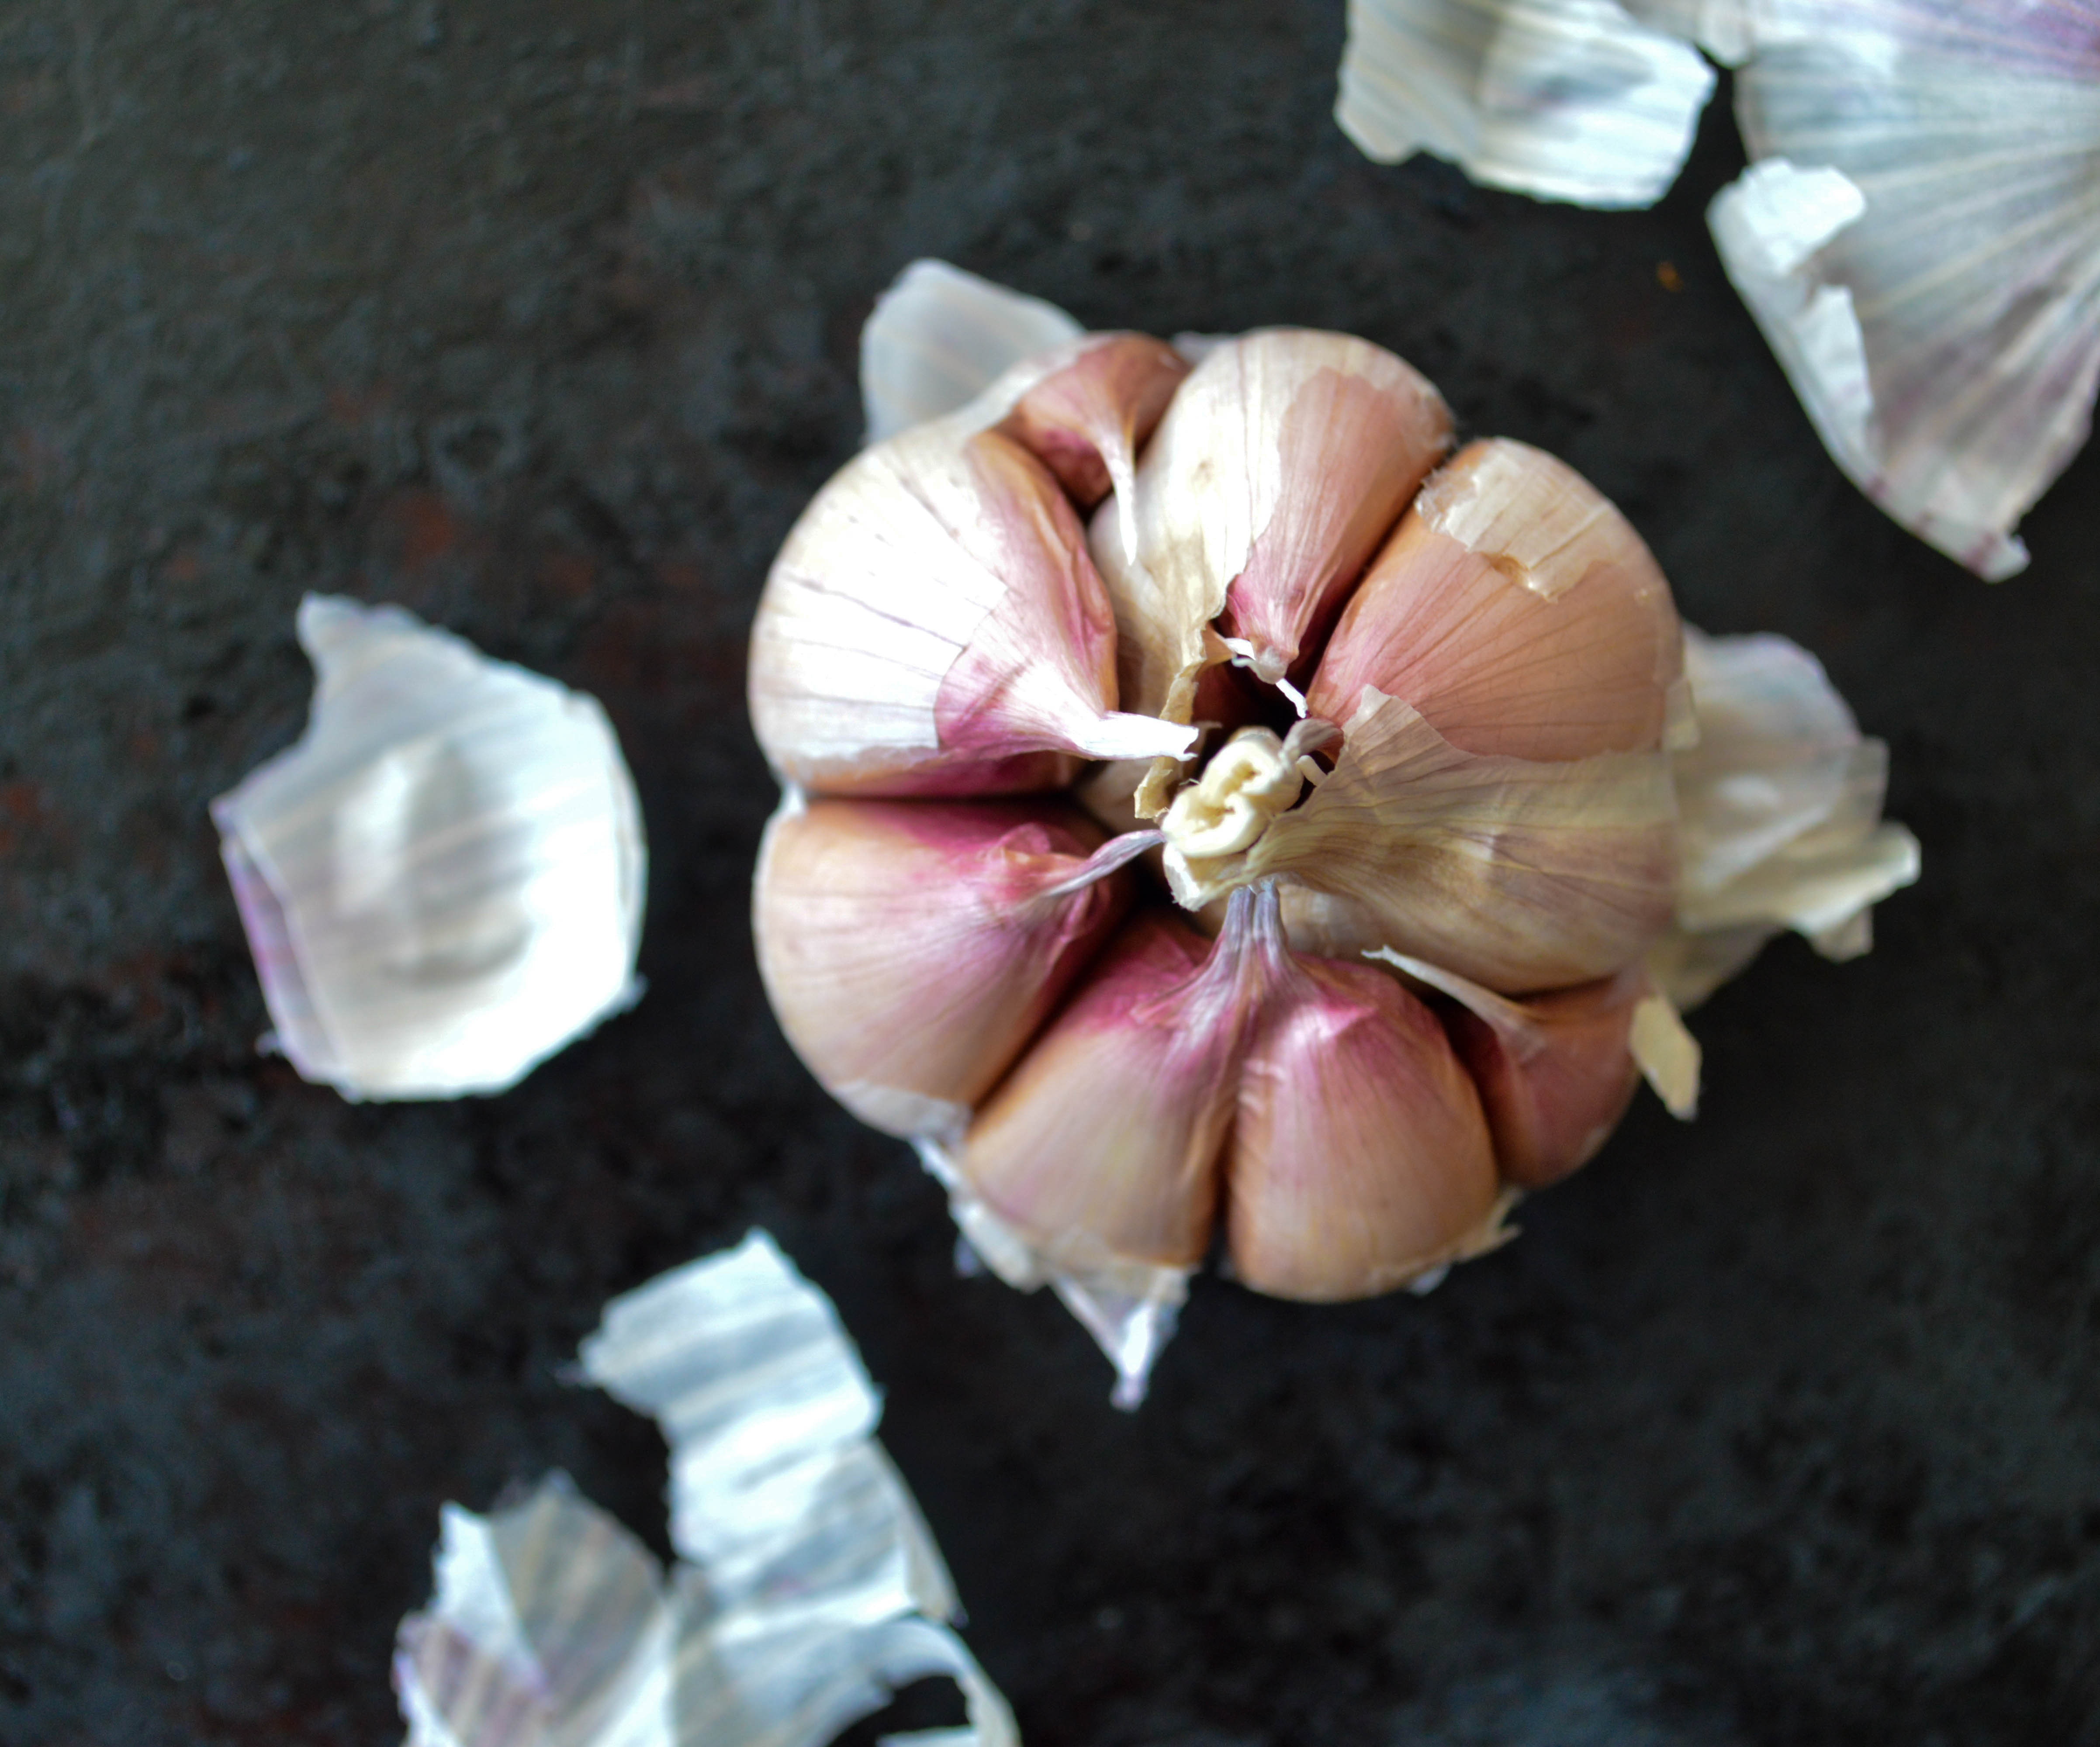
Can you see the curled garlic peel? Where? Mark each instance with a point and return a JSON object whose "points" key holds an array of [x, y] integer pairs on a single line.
{"points": [[1402, 738]]}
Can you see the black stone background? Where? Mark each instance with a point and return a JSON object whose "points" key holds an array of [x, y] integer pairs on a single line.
{"points": [[540, 318]]}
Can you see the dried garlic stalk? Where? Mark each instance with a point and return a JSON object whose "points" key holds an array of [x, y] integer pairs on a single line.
{"points": [[1918, 235], [1403, 838], [807, 1586], [442, 881]]}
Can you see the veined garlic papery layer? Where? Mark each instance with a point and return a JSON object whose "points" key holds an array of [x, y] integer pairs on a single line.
{"points": [[1918, 234], [442, 881], [806, 1586], [1386, 749]]}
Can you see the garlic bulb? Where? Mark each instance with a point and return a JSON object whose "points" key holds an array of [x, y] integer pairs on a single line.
{"points": [[1918, 234], [442, 881], [807, 1584], [1406, 743]]}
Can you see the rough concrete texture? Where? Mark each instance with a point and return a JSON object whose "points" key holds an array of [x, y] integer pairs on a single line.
{"points": [[1782, 1429]]}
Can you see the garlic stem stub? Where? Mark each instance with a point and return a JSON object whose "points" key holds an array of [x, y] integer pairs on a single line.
{"points": [[442, 881], [1218, 820]]}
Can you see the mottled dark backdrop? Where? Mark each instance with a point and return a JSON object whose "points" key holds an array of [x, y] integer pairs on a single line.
{"points": [[540, 318]]}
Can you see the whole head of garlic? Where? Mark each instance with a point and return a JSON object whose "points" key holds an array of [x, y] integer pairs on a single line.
{"points": [[1215, 813]]}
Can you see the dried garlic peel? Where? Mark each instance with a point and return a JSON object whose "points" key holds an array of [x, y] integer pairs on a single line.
{"points": [[1433, 823], [1918, 234], [807, 1586], [442, 881]]}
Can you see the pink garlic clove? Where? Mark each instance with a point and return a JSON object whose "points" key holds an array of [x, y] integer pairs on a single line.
{"points": [[1281, 464], [910, 950], [1359, 1159], [1517, 610], [934, 625], [1086, 419], [1555, 1071], [1102, 1145]]}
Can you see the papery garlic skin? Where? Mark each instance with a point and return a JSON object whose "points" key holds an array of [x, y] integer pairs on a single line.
{"points": [[442, 880], [1917, 235], [1522, 875], [1781, 803], [938, 336], [1566, 99], [806, 1586], [847, 937], [1945, 336]]}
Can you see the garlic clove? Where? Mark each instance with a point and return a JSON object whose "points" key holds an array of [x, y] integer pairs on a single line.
{"points": [[1280, 464], [1555, 1071], [934, 625], [1521, 874], [910, 950], [442, 881], [939, 337], [1359, 1159], [1517, 610], [1092, 411], [1563, 100], [1102, 1147]]}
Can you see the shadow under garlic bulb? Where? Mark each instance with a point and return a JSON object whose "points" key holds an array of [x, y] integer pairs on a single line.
{"points": [[1375, 742]]}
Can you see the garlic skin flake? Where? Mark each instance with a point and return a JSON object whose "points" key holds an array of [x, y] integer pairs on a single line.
{"points": [[1917, 236], [1443, 826], [806, 1588], [1779, 806], [442, 881], [1565, 100], [1944, 334], [938, 335]]}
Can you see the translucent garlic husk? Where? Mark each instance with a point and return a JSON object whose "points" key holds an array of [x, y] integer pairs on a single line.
{"points": [[1384, 937], [1918, 234], [806, 1585], [442, 881]]}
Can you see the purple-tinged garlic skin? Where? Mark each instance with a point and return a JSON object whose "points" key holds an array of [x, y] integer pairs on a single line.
{"points": [[944, 915], [1360, 1159]]}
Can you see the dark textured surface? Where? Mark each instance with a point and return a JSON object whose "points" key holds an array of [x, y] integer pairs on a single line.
{"points": [[1781, 1429]]}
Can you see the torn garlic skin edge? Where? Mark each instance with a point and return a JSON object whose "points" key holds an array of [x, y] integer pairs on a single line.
{"points": [[1129, 1308], [807, 1586]]}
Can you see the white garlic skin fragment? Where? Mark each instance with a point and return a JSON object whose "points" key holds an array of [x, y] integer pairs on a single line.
{"points": [[1359, 1159], [933, 625], [1103, 1143], [1563, 100], [910, 950], [1780, 810], [806, 1585], [939, 337], [1280, 464], [442, 880], [1517, 610], [1944, 335]]}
